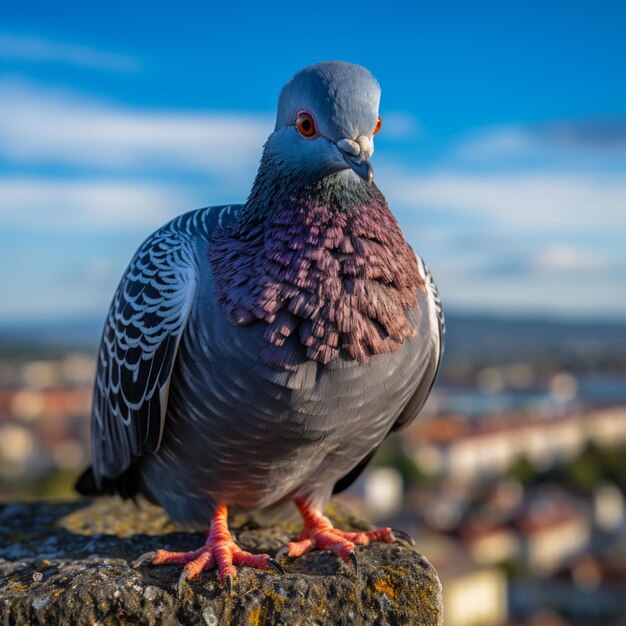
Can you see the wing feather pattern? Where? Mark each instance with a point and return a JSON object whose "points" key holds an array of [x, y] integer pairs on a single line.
{"points": [[142, 332]]}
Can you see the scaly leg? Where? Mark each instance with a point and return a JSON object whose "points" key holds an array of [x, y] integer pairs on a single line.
{"points": [[319, 533], [219, 551]]}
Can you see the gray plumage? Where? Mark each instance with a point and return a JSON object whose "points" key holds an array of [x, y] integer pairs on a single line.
{"points": [[190, 407]]}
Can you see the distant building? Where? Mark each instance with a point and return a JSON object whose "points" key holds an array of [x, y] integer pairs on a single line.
{"points": [[383, 491], [492, 544], [473, 595], [589, 589], [465, 450], [44, 428], [552, 531], [609, 507]]}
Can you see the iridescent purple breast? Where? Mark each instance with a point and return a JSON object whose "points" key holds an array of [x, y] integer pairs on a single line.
{"points": [[337, 277]]}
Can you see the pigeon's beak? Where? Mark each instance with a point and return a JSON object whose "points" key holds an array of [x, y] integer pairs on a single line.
{"points": [[357, 156], [362, 166]]}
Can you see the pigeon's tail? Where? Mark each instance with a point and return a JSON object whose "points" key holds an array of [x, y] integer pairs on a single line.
{"points": [[86, 483], [126, 485]]}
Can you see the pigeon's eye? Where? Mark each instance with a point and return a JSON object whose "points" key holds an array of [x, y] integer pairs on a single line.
{"points": [[305, 124], [379, 123]]}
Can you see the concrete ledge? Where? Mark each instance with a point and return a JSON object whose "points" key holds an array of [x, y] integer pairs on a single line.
{"points": [[70, 564]]}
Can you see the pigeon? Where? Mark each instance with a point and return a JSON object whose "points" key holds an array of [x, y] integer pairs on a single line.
{"points": [[256, 355]]}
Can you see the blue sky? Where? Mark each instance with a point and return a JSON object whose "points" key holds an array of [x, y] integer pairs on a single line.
{"points": [[503, 149]]}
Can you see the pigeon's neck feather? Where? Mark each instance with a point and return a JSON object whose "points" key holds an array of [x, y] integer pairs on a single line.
{"points": [[326, 263]]}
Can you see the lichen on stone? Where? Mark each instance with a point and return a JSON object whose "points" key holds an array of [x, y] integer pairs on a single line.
{"points": [[70, 564]]}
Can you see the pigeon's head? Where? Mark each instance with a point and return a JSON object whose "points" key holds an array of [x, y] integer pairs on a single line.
{"points": [[326, 120]]}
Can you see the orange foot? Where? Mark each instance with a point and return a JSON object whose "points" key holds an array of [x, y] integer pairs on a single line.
{"points": [[219, 551], [319, 533]]}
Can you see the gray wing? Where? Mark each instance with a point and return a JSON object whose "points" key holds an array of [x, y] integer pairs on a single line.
{"points": [[438, 333], [140, 341]]}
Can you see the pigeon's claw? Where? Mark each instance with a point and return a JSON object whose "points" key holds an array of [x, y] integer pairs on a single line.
{"points": [[276, 565], [181, 582], [355, 563], [403, 537], [146, 556], [320, 534], [219, 551], [284, 551]]}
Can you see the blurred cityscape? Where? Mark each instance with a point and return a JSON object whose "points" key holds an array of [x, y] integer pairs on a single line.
{"points": [[503, 156], [512, 481]]}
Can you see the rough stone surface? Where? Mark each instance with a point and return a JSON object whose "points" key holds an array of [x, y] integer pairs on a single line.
{"points": [[70, 564]]}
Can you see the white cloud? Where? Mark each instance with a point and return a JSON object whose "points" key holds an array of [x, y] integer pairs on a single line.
{"points": [[39, 203], [14, 47], [399, 125], [496, 143], [98, 270], [592, 141], [41, 126], [533, 295], [567, 259], [531, 200], [530, 222], [129, 170]]}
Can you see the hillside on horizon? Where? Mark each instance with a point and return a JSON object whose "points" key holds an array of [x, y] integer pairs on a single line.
{"points": [[476, 338]]}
